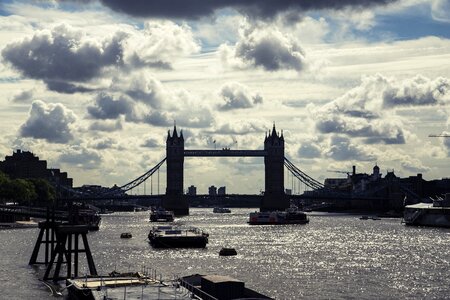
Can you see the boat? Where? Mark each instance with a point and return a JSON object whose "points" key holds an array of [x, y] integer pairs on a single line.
{"points": [[435, 214], [161, 215], [289, 216], [218, 287], [364, 218], [227, 252], [126, 235], [177, 237], [221, 210], [130, 286]]}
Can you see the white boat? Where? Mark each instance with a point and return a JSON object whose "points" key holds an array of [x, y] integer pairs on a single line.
{"points": [[429, 214], [221, 210], [289, 216]]}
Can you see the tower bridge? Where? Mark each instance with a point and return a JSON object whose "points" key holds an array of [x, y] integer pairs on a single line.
{"points": [[273, 153]]}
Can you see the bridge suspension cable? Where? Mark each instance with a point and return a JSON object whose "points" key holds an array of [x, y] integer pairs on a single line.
{"points": [[136, 182], [302, 176]]}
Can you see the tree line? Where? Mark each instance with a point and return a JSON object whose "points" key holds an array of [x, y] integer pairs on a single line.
{"points": [[31, 191]]}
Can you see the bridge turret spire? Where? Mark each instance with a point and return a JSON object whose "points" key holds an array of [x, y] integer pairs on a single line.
{"points": [[175, 134]]}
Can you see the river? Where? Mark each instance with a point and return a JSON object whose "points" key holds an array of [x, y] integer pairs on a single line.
{"points": [[335, 256]]}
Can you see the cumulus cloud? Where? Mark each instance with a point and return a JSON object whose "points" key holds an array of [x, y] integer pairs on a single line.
{"points": [[413, 165], [309, 150], [239, 128], [108, 107], [158, 44], [81, 157], [151, 142], [263, 45], [417, 91], [236, 95], [23, 96], [106, 125], [144, 88], [342, 149], [368, 110], [49, 121], [254, 8], [63, 55], [69, 60], [103, 143]]}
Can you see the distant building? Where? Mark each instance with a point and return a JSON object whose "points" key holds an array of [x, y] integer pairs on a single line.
{"points": [[221, 191], [192, 190], [212, 191], [24, 164]]}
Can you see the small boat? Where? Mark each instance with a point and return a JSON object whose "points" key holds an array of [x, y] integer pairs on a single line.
{"points": [[221, 210], [227, 252], [364, 218], [177, 237], [289, 216], [161, 215], [126, 235]]}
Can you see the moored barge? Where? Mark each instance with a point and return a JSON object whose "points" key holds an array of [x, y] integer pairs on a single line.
{"points": [[161, 215], [177, 237]]}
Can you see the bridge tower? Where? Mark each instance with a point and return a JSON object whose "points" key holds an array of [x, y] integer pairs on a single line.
{"points": [[274, 196], [174, 199]]}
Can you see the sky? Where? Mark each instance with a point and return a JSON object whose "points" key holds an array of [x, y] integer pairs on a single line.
{"points": [[93, 86]]}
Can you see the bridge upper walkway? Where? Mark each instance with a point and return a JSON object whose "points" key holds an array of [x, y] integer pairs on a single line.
{"points": [[225, 152]]}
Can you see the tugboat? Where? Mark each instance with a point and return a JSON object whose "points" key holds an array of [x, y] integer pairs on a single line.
{"points": [[289, 216], [429, 214], [161, 215], [177, 237]]}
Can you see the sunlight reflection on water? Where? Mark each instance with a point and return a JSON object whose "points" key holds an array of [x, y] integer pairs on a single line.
{"points": [[332, 257]]}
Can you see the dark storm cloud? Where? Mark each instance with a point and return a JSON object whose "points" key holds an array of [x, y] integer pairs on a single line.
{"points": [[49, 122], [192, 9], [63, 55], [107, 107], [236, 95]]}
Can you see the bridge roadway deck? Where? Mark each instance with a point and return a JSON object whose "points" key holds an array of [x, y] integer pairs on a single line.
{"points": [[225, 152]]}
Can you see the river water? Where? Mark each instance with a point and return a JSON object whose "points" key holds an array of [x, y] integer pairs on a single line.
{"points": [[335, 256]]}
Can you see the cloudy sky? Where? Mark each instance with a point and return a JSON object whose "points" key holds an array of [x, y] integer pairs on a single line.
{"points": [[94, 86]]}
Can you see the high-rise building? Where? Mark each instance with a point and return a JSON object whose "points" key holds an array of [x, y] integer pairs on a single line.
{"points": [[212, 191], [192, 190], [221, 190]]}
